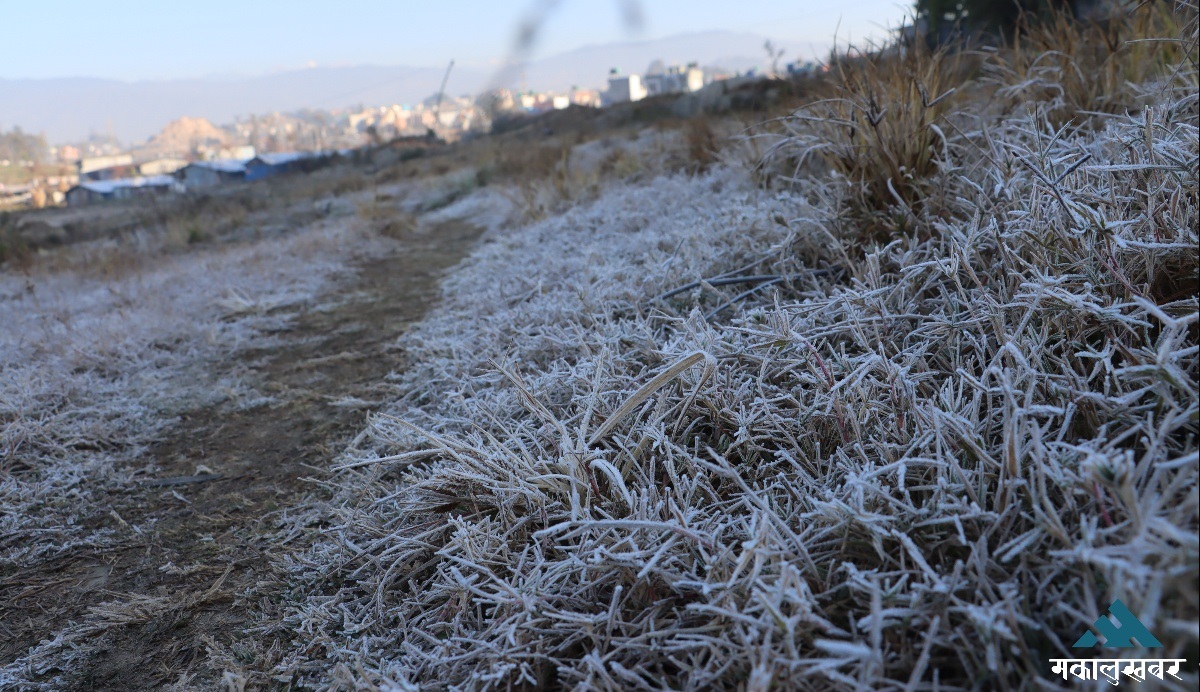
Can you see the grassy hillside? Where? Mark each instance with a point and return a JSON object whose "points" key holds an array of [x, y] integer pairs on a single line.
{"points": [[887, 381], [927, 405]]}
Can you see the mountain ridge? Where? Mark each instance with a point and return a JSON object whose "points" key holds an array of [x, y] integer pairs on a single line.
{"points": [[70, 108]]}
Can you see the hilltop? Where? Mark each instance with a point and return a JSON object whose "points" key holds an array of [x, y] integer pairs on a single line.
{"points": [[184, 134]]}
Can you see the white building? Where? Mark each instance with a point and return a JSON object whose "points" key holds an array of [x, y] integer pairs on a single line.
{"points": [[675, 80], [165, 166], [622, 88], [95, 163]]}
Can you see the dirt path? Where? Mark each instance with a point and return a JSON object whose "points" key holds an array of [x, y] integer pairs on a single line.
{"points": [[165, 607]]}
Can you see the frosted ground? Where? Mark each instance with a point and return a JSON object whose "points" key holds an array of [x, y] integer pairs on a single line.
{"points": [[94, 368], [910, 431], [929, 459]]}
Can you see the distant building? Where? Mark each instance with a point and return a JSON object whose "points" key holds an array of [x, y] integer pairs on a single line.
{"points": [[622, 88], [110, 173], [106, 167], [396, 116], [203, 174], [586, 97], [68, 154], [91, 192], [161, 166], [496, 101], [359, 122], [675, 80], [88, 193], [96, 163], [268, 165], [241, 152], [15, 195], [804, 69]]}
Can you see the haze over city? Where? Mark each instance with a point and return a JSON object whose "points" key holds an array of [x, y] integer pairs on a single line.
{"points": [[222, 59]]}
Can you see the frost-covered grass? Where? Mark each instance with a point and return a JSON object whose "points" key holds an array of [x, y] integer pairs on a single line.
{"points": [[93, 369], [920, 458]]}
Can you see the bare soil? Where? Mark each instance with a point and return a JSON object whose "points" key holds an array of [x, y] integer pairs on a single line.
{"points": [[154, 607]]}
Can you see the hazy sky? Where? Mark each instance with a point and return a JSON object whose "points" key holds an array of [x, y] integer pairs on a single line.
{"points": [[157, 39]]}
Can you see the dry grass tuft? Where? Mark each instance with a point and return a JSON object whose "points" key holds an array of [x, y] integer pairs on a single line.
{"points": [[1079, 69], [880, 128], [703, 145]]}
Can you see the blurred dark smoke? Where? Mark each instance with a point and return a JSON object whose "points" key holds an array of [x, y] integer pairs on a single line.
{"points": [[631, 14], [530, 28]]}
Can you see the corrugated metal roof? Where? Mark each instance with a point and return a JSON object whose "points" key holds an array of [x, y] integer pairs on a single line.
{"points": [[105, 187], [224, 165], [285, 157]]}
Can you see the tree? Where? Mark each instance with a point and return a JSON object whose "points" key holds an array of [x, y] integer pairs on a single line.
{"points": [[17, 145], [774, 55]]}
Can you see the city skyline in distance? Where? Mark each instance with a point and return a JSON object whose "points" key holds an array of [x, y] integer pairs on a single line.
{"points": [[69, 109]]}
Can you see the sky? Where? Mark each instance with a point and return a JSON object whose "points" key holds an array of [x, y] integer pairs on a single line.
{"points": [[176, 39]]}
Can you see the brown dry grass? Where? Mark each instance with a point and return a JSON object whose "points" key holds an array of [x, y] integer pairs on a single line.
{"points": [[880, 125], [1083, 68]]}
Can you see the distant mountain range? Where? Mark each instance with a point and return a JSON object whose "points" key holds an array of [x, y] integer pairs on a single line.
{"points": [[588, 66], [69, 109]]}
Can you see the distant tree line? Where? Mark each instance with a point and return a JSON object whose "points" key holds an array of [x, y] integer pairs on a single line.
{"points": [[16, 145]]}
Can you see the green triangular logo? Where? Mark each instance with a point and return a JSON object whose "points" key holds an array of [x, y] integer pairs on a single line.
{"points": [[1121, 630]]}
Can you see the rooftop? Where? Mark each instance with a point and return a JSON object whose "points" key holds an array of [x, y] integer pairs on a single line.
{"points": [[105, 187]]}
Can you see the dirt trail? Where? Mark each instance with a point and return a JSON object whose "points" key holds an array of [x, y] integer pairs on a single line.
{"points": [[154, 608]]}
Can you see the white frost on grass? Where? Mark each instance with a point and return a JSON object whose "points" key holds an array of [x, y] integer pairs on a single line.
{"points": [[487, 208], [92, 370], [936, 458]]}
